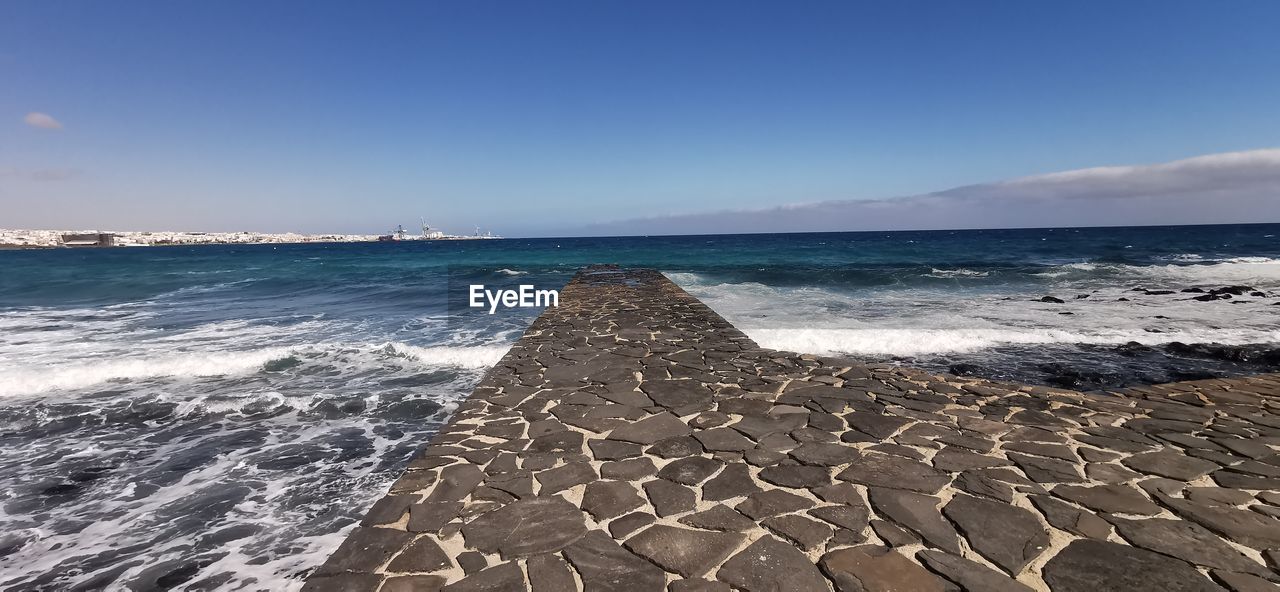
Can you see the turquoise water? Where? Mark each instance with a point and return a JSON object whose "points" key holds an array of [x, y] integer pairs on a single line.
{"points": [[216, 417]]}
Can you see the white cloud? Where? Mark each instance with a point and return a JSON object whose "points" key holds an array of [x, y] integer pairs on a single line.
{"points": [[1229, 187], [42, 120]]}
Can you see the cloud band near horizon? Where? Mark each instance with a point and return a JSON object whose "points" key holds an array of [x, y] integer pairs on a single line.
{"points": [[1229, 187]]}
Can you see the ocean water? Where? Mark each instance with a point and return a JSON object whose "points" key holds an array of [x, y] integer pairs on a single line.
{"points": [[218, 417]]}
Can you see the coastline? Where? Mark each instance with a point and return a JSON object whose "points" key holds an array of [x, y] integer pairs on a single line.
{"points": [[633, 438]]}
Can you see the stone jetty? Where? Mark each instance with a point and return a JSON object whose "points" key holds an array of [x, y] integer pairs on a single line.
{"points": [[633, 439]]}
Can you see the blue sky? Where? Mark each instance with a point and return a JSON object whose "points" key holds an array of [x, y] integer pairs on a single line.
{"points": [[554, 117]]}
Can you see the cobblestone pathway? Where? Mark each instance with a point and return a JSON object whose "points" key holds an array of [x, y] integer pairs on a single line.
{"points": [[634, 440]]}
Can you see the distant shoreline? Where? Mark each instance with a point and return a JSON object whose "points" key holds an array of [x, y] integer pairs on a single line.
{"points": [[22, 239]]}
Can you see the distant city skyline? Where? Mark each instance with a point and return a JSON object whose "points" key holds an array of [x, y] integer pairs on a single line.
{"points": [[587, 118]]}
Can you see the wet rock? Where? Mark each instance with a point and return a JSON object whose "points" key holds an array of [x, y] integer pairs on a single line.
{"points": [[770, 565], [365, 550], [687, 552], [1009, 536], [1052, 299], [972, 576], [872, 568], [1097, 566], [527, 527], [606, 566], [918, 513]]}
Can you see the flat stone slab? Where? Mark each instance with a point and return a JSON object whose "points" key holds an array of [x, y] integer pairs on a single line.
{"points": [[633, 439]]}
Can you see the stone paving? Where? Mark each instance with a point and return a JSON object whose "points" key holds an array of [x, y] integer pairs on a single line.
{"points": [[635, 440]]}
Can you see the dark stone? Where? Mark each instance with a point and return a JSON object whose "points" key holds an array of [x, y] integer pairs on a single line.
{"points": [[558, 442], [669, 498], [972, 576], [1239, 582], [472, 561], [825, 455], [955, 459], [412, 584], [1171, 463], [365, 550], [651, 429], [1242, 526], [1117, 499], [1052, 300], [894, 535], [676, 393], [917, 512], [691, 470], [345, 582], [625, 525], [872, 568], [456, 482], [1009, 536], [549, 573], [1047, 470], [1185, 540], [878, 426], [772, 502], [1062, 515], [609, 499], [734, 481], [697, 585], [883, 470], [677, 447], [527, 527], [852, 517], [719, 517], [796, 476], [979, 484], [724, 439], [422, 555], [431, 517], [770, 565], [1097, 566], [806, 533], [628, 470], [613, 449], [1058, 451], [1218, 496], [388, 510], [565, 476], [758, 427], [840, 493], [687, 552], [605, 566], [504, 577]]}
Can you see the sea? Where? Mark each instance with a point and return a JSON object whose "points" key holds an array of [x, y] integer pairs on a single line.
{"points": [[219, 417]]}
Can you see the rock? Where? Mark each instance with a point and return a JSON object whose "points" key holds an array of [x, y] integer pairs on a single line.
{"points": [[607, 567], [676, 393], [628, 470], [504, 577], [365, 550], [669, 498], [872, 568], [565, 476], [852, 517], [734, 481], [677, 447], [883, 470], [724, 439], [610, 499], [1047, 470], [807, 534], [1171, 463], [1062, 515], [772, 502], [689, 553], [972, 576], [1242, 526], [456, 482], [1096, 566], [613, 449], [952, 458], [1244, 582], [406, 584], [624, 525], [1116, 499], [825, 455], [431, 517], [565, 441], [1058, 451], [697, 585], [651, 429], [422, 555], [796, 476], [1009, 536], [875, 425], [979, 484], [770, 565], [719, 517], [1051, 299], [549, 573], [343, 582], [691, 470], [527, 527], [917, 512], [1185, 540]]}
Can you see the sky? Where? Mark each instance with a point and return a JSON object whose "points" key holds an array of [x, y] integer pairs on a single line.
{"points": [[599, 117]]}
